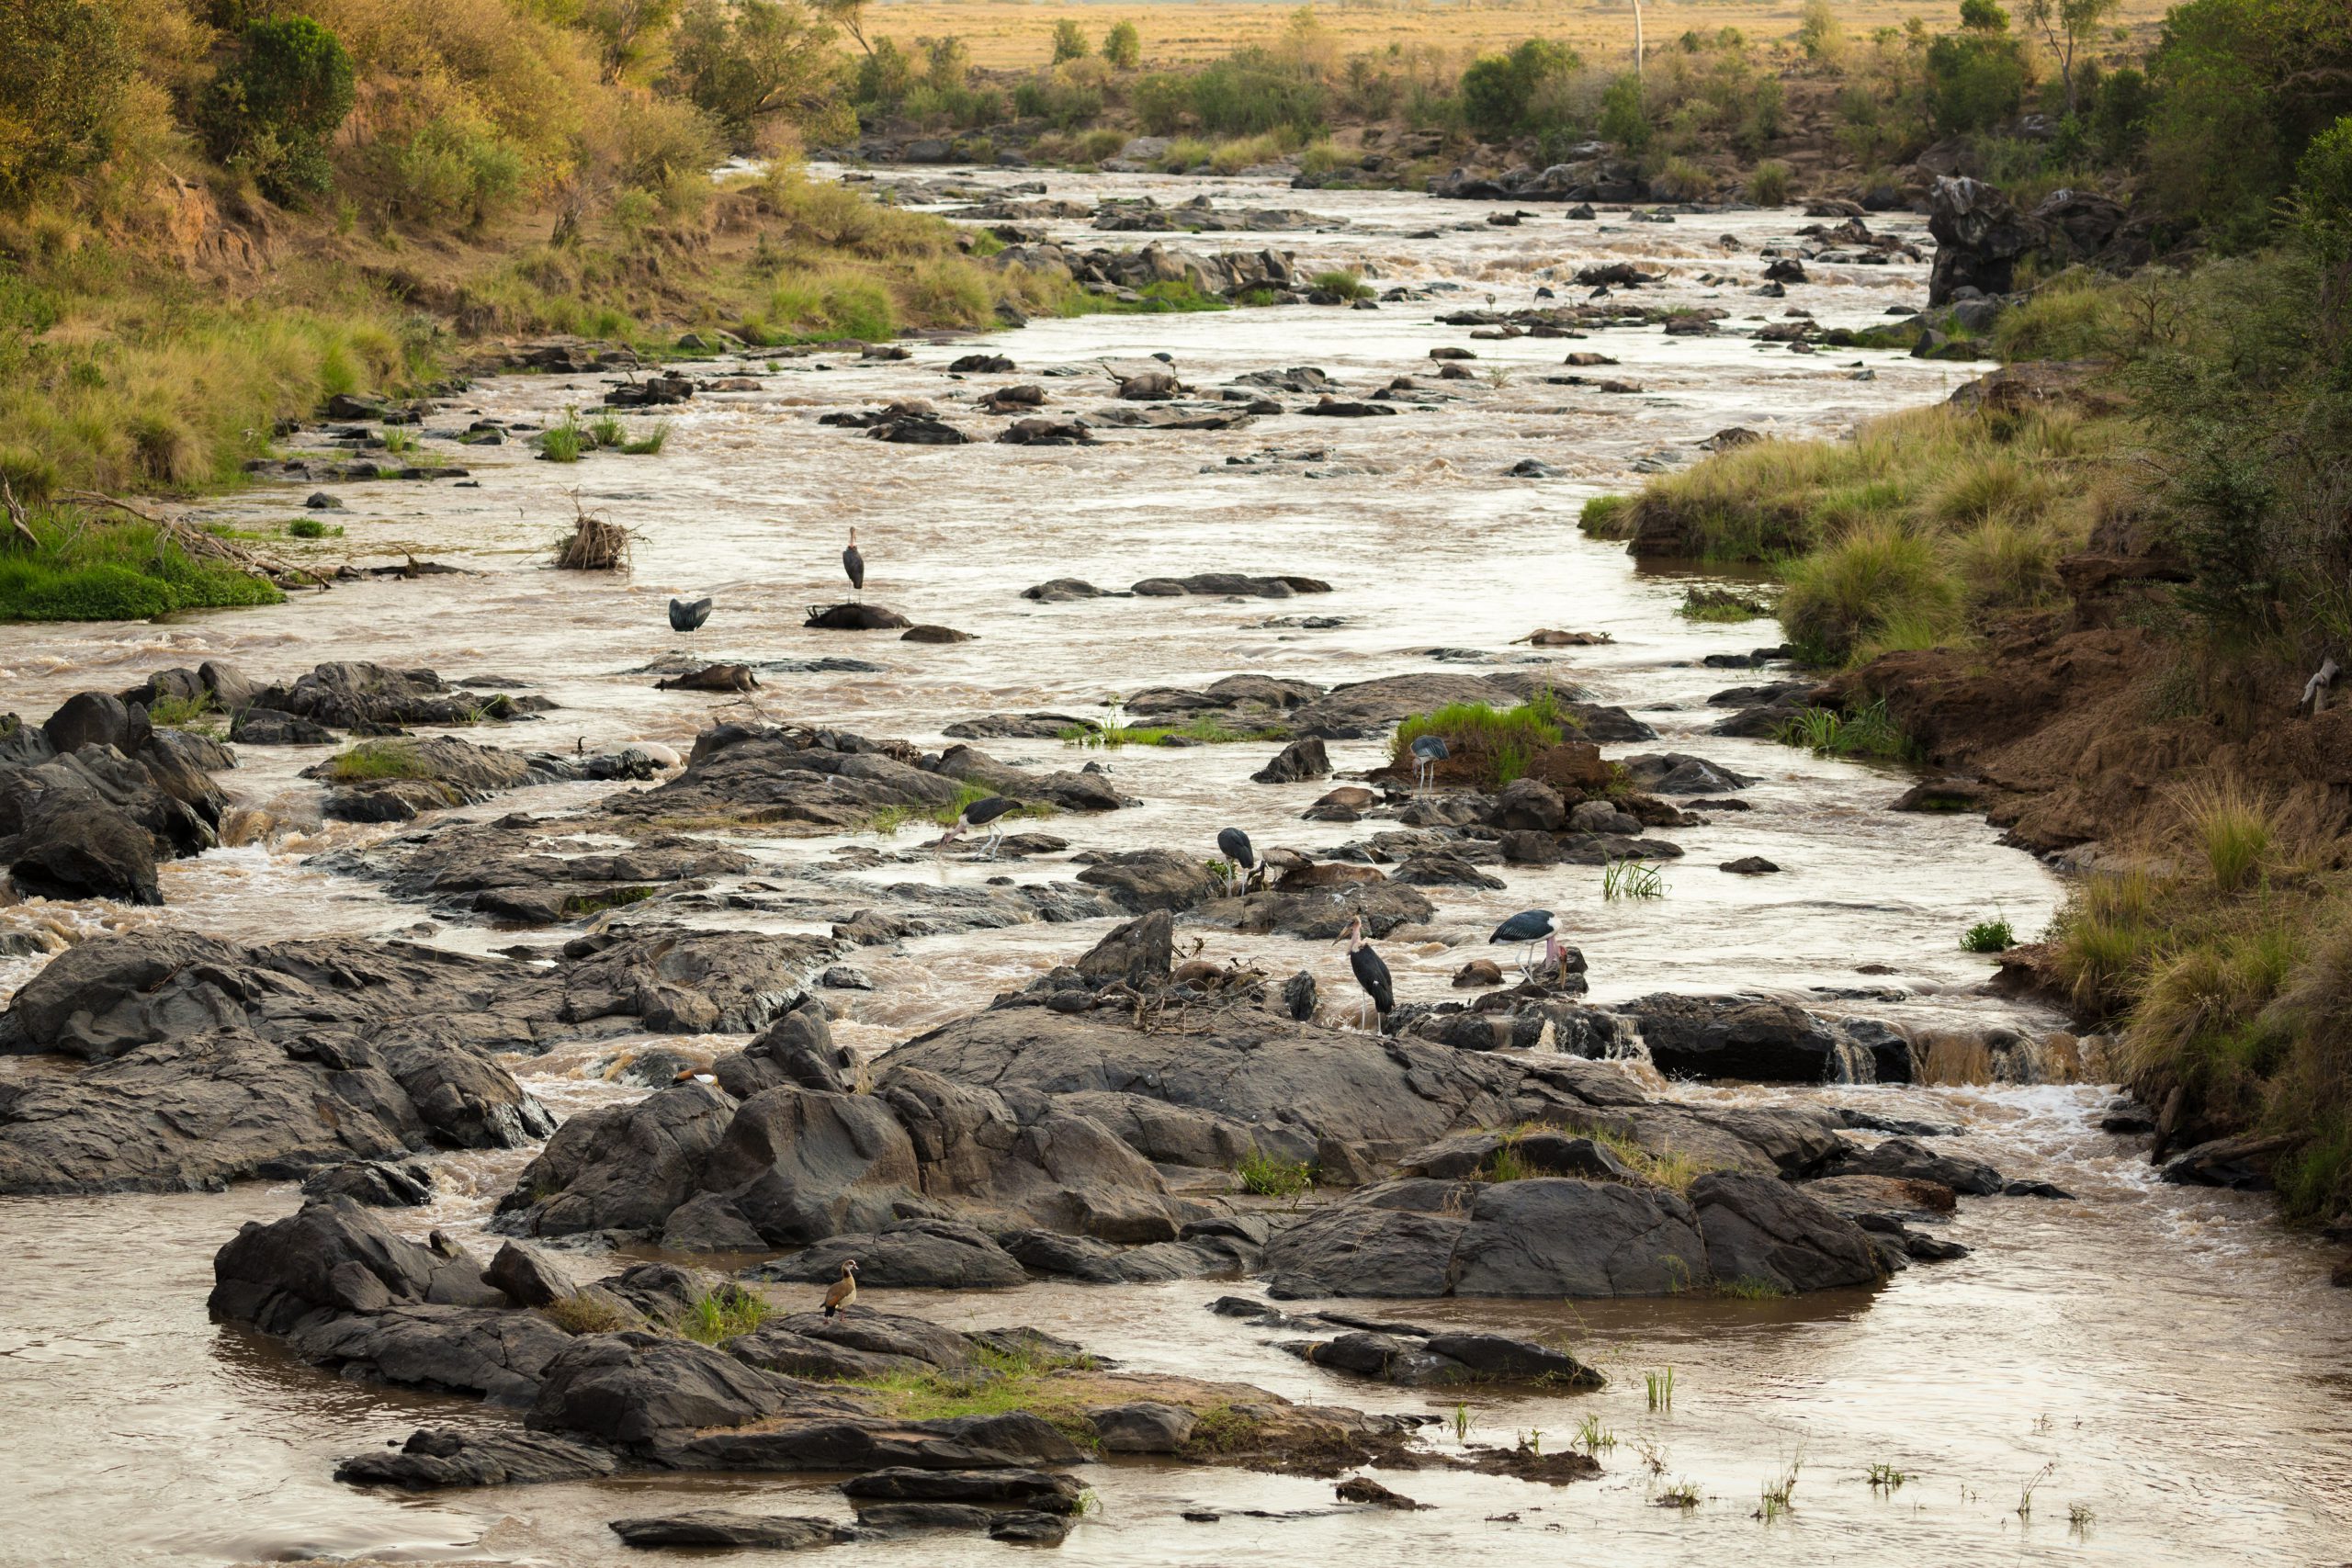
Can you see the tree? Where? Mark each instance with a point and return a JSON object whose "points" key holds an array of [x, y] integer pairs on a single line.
{"points": [[1982, 16], [272, 112], [1123, 46], [2068, 26], [750, 60], [1497, 90], [628, 32], [1975, 82], [1624, 119], [1070, 41], [62, 69]]}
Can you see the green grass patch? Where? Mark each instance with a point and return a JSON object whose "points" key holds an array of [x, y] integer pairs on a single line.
{"points": [[1988, 936], [1003, 1383], [1607, 516], [1721, 605], [90, 569], [656, 437], [1499, 743], [722, 1313], [1826, 732], [373, 759], [1749, 1288], [1203, 729], [1344, 284], [200, 713], [564, 441], [1271, 1175], [311, 528], [1631, 878]]}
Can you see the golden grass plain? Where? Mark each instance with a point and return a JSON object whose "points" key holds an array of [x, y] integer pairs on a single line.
{"points": [[1018, 34]]}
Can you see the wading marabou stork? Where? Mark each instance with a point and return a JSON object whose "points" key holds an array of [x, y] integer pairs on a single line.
{"points": [[1233, 845], [988, 812], [842, 1293], [854, 564], [686, 619], [1429, 750], [1372, 974], [1531, 926]]}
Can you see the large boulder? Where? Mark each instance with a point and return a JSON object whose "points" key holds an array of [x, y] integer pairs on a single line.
{"points": [[1544, 1237], [1979, 236], [1759, 1040], [626, 1389], [798, 1166], [1761, 1230], [1286, 1085], [195, 1111], [621, 1166]]}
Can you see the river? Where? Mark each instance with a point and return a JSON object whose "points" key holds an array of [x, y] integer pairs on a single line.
{"points": [[2163, 1367]]}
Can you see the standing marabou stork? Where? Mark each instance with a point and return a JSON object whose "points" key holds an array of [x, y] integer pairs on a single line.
{"points": [[1233, 845], [842, 1293], [854, 564], [986, 812], [1531, 926], [1429, 750], [686, 619], [1372, 974]]}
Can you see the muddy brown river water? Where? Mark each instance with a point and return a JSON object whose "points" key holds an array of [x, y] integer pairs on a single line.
{"points": [[2164, 1370]]}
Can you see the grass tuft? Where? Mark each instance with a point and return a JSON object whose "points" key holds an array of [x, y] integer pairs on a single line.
{"points": [[1271, 1175], [1989, 936], [722, 1313]]}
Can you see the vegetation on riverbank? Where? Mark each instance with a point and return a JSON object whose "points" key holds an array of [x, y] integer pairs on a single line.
{"points": [[2190, 462]]}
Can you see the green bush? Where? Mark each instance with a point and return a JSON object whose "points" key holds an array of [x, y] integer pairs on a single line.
{"points": [[1975, 82], [1160, 102], [1768, 183], [1123, 46], [1624, 119], [456, 166], [1497, 91], [1069, 40], [62, 71], [1249, 93], [273, 109]]}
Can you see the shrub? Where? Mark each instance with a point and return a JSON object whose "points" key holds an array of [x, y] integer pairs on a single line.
{"points": [[90, 569], [64, 71], [835, 302], [1499, 91], [1160, 101], [1123, 46], [744, 61], [1684, 180], [1768, 183], [272, 110], [1624, 119], [455, 166], [1975, 82], [1346, 285], [1069, 40], [722, 1313], [1248, 94]]}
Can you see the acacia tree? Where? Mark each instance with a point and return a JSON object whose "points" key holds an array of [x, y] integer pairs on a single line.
{"points": [[746, 62], [1123, 46], [2068, 26]]}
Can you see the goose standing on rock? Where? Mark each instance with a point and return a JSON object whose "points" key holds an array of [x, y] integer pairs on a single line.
{"points": [[843, 1295], [1371, 971], [854, 564]]}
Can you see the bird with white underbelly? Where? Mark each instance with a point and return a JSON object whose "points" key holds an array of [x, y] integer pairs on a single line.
{"points": [[842, 1293], [990, 812], [1531, 926]]}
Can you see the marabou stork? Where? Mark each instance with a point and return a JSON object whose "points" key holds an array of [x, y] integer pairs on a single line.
{"points": [[1531, 926], [986, 812], [1372, 974]]}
